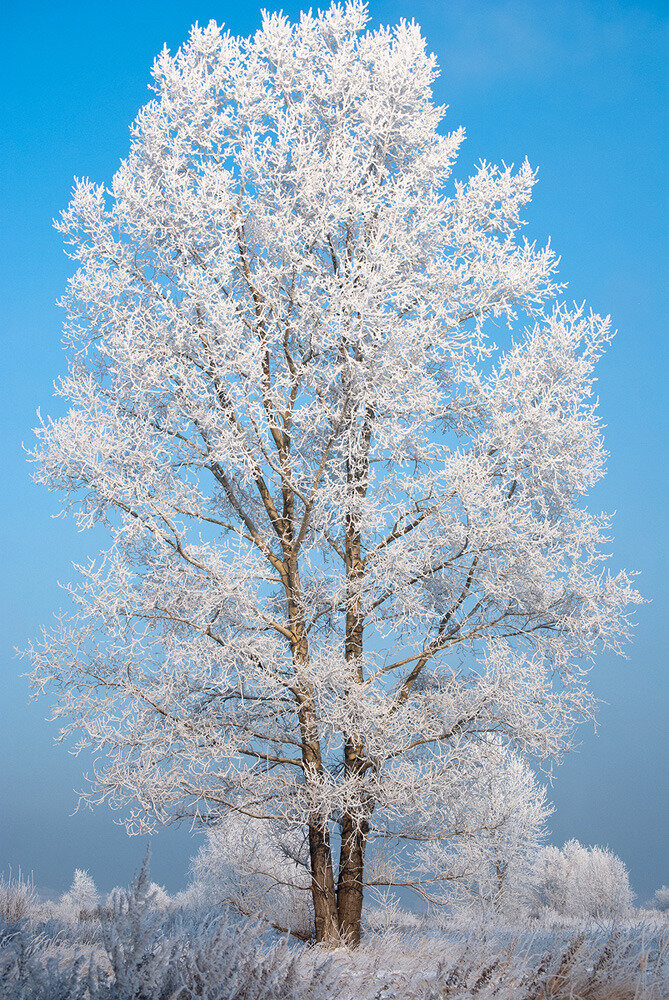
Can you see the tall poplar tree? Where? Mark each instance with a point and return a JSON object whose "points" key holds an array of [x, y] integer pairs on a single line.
{"points": [[339, 429]]}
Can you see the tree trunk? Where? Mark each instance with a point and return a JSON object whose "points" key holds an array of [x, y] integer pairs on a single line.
{"points": [[350, 882], [500, 874], [326, 921], [354, 825]]}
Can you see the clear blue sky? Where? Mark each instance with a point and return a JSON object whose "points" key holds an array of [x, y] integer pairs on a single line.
{"points": [[581, 88]]}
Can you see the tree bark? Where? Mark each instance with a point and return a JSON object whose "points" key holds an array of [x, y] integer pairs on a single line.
{"points": [[350, 881], [326, 920]]}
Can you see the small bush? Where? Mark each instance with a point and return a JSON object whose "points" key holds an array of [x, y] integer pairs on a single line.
{"points": [[18, 897]]}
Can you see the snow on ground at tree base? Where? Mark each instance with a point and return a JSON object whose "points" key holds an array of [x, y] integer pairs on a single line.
{"points": [[140, 944], [134, 949]]}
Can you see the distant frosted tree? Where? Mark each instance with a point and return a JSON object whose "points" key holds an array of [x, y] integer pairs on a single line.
{"points": [[112, 894], [492, 867], [249, 865], [159, 895], [582, 881], [660, 900], [349, 538], [82, 897]]}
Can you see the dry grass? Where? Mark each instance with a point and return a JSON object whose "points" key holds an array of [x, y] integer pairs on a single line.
{"points": [[630, 964], [18, 897], [188, 955]]}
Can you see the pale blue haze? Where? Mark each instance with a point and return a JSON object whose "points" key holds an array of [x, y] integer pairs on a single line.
{"points": [[581, 88]]}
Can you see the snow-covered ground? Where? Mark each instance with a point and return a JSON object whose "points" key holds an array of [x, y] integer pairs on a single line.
{"points": [[134, 950]]}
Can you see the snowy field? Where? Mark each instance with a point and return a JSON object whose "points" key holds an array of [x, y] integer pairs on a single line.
{"points": [[140, 948]]}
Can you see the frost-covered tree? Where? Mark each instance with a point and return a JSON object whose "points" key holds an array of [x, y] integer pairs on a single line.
{"points": [[160, 897], [582, 881], [81, 898], [660, 900], [260, 871], [348, 537], [493, 867]]}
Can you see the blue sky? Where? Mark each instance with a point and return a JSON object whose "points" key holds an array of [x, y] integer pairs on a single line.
{"points": [[578, 87]]}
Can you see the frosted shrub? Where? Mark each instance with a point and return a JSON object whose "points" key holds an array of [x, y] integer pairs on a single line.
{"points": [[137, 950], [18, 897], [582, 881]]}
